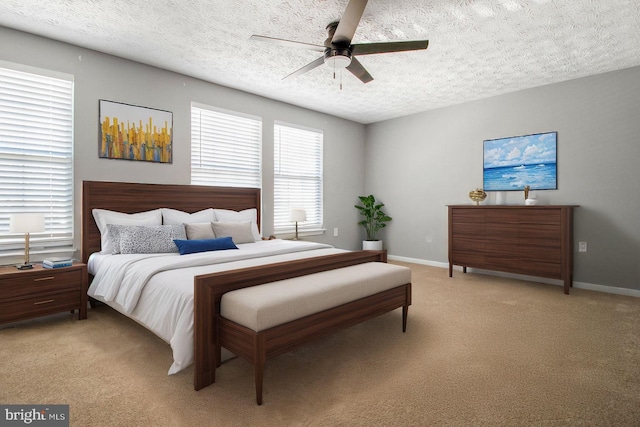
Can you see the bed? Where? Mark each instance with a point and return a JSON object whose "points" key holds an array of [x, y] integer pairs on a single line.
{"points": [[179, 299]]}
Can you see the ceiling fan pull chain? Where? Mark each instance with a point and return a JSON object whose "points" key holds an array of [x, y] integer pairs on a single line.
{"points": [[340, 79], [334, 70]]}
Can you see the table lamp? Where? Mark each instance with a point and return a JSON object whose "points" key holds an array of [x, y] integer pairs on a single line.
{"points": [[297, 215], [26, 223]]}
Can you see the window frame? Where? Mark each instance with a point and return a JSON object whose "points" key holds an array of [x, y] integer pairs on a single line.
{"points": [[249, 177], [314, 209], [37, 97]]}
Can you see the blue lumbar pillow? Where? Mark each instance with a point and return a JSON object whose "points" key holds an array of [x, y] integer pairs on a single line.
{"points": [[193, 246]]}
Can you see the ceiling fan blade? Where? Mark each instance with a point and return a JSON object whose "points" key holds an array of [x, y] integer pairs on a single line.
{"points": [[289, 43], [386, 47], [310, 66], [349, 22], [358, 70]]}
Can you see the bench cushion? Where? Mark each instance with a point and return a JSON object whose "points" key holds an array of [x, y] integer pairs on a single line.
{"points": [[265, 306]]}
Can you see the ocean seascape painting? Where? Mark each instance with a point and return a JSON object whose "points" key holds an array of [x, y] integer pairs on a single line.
{"points": [[515, 162]]}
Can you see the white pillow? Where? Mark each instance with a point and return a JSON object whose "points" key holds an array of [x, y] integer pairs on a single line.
{"points": [[104, 217], [239, 231], [225, 215], [174, 216], [199, 231]]}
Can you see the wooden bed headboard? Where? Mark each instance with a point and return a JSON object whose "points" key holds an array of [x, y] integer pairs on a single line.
{"points": [[131, 198]]}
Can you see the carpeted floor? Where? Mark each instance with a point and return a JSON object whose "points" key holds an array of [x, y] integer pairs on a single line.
{"points": [[479, 350]]}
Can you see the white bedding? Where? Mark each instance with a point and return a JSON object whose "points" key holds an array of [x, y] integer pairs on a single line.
{"points": [[157, 290]]}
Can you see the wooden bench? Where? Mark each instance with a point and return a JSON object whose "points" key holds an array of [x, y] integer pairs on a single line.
{"points": [[340, 291]]}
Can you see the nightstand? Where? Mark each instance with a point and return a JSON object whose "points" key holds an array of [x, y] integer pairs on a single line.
{"points": [[25, 294]]}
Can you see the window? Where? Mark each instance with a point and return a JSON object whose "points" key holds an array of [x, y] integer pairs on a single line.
{"points": [[226, 148], [297, 176], [36, 154]]}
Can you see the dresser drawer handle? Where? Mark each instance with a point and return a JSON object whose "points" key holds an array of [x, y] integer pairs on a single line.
{"points": [[40, 279], [43, 302]]}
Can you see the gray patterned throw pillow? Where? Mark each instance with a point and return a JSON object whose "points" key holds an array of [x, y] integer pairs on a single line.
{"points": [[134, 239]]}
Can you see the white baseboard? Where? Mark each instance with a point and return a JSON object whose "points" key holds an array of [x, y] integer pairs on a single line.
{"points": [[418, 261], [579, 285], [607, 289]]}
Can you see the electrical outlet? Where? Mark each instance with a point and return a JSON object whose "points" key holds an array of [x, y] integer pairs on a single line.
{"points": [[335, 232], [582, 246]]}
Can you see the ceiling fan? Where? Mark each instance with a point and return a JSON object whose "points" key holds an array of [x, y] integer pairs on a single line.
{"points": [[338, 52]]}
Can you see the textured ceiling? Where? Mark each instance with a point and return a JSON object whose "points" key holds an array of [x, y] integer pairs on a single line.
{"points": [[477, 48]]}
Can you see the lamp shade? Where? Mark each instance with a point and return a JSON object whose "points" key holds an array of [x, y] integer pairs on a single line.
{"points": [[297, 215], [26, 223]]}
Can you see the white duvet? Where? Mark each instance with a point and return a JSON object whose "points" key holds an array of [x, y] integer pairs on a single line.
{"points": [[157, 290]]}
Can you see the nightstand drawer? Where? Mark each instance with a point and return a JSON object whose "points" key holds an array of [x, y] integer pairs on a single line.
{"points": [[39, 282], [39, 305]]}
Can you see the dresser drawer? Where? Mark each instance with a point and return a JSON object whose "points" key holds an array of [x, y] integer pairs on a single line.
{"points": [[501, 216], [38, 305], [460, 216], [469, 229], [533, 215], [40, 282], [467, 244]]}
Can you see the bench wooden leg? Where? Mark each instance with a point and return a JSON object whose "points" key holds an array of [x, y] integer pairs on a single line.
{"points": [[405, 314], [260, 360]]}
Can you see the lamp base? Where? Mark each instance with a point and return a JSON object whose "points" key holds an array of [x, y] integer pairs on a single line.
{"points": [[24, 266]]}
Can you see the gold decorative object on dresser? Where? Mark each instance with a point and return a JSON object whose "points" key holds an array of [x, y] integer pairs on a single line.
{"points": [[25, 294], [477, 195], [528, 240]]}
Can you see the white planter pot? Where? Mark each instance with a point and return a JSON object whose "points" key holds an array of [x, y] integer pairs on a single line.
{"points": [[372, 245]]}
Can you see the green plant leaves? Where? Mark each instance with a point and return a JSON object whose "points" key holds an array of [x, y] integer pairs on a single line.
{"points": [[374, 218]]}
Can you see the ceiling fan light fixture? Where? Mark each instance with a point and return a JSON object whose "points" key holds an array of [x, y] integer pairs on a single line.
{"points": [[337, 58]]}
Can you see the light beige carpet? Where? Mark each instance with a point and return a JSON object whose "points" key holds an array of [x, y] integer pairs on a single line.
{"points": [[479, 350]]}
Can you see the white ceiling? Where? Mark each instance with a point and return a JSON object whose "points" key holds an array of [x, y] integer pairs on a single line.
{"points": [[477, 48]]}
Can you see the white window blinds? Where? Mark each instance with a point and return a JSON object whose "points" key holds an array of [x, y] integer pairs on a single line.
{"points": [[297, 176], [36, 154], [226, 148]]}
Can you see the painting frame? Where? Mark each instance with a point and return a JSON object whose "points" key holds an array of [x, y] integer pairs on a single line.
{"points": [[133, 132], [511, 163]]}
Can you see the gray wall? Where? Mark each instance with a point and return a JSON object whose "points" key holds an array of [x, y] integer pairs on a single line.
{"points": [[100, 76], [418, 164]]}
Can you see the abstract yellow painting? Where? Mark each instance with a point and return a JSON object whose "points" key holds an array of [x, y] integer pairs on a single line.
{"points": [[130, 132]]}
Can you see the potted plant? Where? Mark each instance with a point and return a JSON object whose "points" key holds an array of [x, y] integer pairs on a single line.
{"points": [[374, 220]]}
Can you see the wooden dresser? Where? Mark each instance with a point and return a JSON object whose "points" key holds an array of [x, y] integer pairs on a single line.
{"points": [[529, 240]]}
